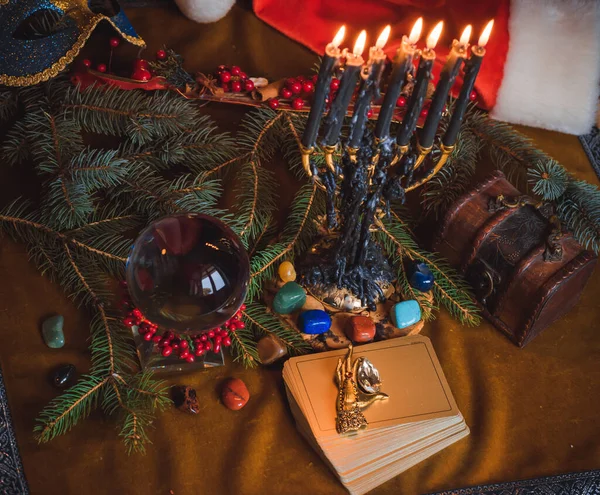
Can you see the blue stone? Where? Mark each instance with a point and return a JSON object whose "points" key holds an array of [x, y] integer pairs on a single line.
{"points": [[314, 321], [52, 331], [406, 313], [420, 277]]}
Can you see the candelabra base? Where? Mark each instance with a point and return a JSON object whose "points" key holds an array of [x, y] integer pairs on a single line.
{"points": [[341, 286]]}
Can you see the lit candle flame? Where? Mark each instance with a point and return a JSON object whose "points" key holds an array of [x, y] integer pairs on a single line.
{"points": [[485, 36], [434, 36], [466, 35], [359, 46], [383, 37], [415, 34], [339, 37]]}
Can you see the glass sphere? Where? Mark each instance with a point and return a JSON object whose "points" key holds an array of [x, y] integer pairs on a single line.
{"points": [[189, 272]]}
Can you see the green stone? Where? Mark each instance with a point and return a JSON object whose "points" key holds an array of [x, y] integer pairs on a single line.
{"points": [[52, 331], [291, 297]]}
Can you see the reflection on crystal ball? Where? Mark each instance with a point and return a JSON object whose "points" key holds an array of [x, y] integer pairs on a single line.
{"points": [[189, 272]]}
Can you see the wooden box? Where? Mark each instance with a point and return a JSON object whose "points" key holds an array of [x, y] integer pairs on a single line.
{"points": [[525, 269]]}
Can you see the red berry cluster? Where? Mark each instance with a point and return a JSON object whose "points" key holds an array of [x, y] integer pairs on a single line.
{"points": [[186, 347], [141, 69], [233, 79], [294, 89]]}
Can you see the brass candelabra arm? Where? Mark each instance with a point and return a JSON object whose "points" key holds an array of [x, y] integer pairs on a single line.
{"points": [[329, 151], [352, 152], [306, 153], [446, 152], [423, 152]]}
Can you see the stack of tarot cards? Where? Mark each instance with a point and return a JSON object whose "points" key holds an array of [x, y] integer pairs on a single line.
{"points": [[417, 419]]}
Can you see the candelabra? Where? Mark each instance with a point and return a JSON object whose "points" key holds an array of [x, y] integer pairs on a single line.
{"points": [[360, 185], [374, 169]]}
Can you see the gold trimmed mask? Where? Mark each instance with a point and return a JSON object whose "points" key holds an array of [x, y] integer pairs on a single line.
{"points": [[39, 38]]}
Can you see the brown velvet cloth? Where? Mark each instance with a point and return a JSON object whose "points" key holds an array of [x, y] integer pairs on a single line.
{"points": [[532, 411]]}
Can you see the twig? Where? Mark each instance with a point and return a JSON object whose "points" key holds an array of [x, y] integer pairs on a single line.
{"points": [[61, 236], [245, 351], [293, 241], [52, 423]]}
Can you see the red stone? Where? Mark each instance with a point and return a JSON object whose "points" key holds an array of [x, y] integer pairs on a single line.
{"points": [[185, 399], [235, 394], [360, 329]]}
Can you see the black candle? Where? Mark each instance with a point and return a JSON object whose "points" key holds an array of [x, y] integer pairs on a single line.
{"points": [[402, 63], [330, 60], [471, 70], [335, 117], [417, 98], [369, 89], [456, 57]]}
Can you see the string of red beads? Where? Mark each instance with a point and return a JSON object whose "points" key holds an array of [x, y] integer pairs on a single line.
{"points": [[186, 347]]}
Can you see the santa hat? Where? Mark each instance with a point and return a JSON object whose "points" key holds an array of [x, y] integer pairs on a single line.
{"points": [[542, 66]]}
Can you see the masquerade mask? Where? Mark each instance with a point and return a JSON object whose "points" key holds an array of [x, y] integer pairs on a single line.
{"points": [[39, 38]]}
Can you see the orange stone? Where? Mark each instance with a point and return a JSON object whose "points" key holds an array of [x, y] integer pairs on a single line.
{"points": [[286, 272], [235, 394], [360, 329]]}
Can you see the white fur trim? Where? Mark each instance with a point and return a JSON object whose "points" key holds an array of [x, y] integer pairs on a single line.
{"points": [[205, 10], [552, 71]]}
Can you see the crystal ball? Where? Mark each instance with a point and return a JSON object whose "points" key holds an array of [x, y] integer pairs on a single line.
{"points": [[188, 272]]}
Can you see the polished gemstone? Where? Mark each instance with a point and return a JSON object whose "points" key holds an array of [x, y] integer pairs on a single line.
{"points": [[420, 276], [406, 313], [235, 394], [52, 331], [291, 297], [185, 399], [271, 349], [287, 272], [360, 329], [64, 376], [314, 321]]}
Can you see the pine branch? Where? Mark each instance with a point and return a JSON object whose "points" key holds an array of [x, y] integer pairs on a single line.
{"points": [[262, 322], [143, 389], [116, 112], [549, 179], [395, 239], [454, 178], [105, 221], [66, 410], [449, 288], [297, 234], [16, 148], [53, 140], [97, 169], [8, 104], [258, 141], [510, 150], [579, 209], [244, 347], [112, 346]]}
